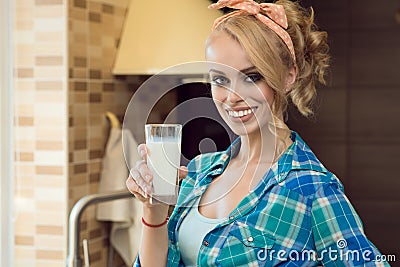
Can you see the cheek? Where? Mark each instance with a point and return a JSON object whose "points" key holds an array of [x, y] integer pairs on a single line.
{"points": [[218, 95], [268, 94]]}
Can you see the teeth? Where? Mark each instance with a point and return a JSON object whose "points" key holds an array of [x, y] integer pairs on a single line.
{"points": [[238, 114]]}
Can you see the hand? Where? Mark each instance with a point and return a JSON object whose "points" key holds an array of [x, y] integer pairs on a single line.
{"points": [[140, 178]]}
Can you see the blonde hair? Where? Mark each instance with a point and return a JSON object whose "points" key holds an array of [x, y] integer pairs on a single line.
{"points": [[265, 48]]}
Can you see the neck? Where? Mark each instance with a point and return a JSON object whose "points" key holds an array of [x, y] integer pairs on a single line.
{"points": [[263, 146], [257, 148]]}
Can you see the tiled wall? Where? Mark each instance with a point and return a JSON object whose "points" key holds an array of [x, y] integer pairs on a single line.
{"points": [[94, 32], [40, 133], [64, 55], [356, 131]]}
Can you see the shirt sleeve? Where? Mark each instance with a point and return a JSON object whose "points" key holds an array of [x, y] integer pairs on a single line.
{"points": [[338, 232]]}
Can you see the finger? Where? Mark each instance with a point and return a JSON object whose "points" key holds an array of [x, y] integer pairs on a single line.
{"points": [[140, 197], [144, 171], [142, 150], [144, 186], [134, 188], [183, 172]]}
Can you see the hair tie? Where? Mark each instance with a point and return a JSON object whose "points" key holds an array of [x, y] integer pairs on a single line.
{"points": [[272, 15]]}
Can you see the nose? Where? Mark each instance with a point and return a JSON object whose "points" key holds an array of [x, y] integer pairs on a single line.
{"points": [[233, 96]]}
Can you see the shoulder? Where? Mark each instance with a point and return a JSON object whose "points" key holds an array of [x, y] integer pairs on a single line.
{"points": [[306, 174], [308, 182]]}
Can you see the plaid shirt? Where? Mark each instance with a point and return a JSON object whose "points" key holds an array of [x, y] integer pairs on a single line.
{"points": [[297, 215]]}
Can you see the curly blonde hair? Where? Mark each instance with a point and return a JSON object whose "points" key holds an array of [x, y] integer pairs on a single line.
{"points": [[265, 49]]}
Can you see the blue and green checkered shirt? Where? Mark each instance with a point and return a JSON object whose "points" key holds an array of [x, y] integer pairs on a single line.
{"points": [[297, 215]]}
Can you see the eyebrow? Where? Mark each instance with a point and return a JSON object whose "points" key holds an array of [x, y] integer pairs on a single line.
{"points": [[248, 69], [217, 71], [242, 71]]}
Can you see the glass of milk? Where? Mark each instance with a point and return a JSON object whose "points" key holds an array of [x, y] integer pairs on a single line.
{"points": [[163, 143]]}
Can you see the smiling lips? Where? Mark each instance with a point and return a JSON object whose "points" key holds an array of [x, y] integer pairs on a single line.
{"points": [[240, 113]]}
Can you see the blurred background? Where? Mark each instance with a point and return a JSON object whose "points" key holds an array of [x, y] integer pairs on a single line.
{"points": [[65, 63]]}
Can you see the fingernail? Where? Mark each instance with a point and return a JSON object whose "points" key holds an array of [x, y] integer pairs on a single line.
{"points": [[148, 189], [148, 177]]}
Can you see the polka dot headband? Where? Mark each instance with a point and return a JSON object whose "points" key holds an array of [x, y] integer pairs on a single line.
{"points": [[272, 15]]}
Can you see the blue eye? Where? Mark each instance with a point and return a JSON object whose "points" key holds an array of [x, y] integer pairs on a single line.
{"points": [[253, 77], [219, 80]]}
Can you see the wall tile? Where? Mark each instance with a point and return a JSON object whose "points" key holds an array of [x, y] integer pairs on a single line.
{"points": [[49, 241], [373, 113], [366, 14], [25, 73], [49, 170], [371, 167], [49, 121], [49, 37], [338, 73], [49, 229], [24, 253], [25, 121], [50, 158], [52, 218], [51, 11], [49, 145], [27, 156], [105, 8], [77, 14], [48, 133], [49, 254], [49, 60], [49, 2], [49, 85], [79, 3], [373, 54], [50, 97], [54, 181], [49, 71], [24, 25], [49, 49], [49, 25], [330, 14], [24, 240]]}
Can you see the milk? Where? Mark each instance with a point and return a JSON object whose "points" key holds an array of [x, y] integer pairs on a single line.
{"points": [[163, 160]]}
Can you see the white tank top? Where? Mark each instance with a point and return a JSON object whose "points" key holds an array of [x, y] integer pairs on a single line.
{"points": [[191, 233]]}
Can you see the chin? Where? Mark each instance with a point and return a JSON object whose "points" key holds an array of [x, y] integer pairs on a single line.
{"points": [[243, 129]]}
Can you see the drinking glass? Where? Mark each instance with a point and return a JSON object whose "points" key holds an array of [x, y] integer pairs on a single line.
{"points": [[163, 143]]}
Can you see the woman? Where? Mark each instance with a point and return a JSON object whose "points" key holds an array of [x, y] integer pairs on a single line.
{"points": [[266, 200]]}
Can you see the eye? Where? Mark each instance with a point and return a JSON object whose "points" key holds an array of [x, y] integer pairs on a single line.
{"points": [[219, 80], [253, 77]]}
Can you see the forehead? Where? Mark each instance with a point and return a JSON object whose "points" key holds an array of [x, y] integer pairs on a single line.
{"points": [[226, 53]]}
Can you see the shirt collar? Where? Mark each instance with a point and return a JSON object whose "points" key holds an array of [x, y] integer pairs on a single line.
{"points": [[298, 156]]}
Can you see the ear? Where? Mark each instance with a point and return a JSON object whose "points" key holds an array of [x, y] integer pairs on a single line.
{"points": [[291, 78]]}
